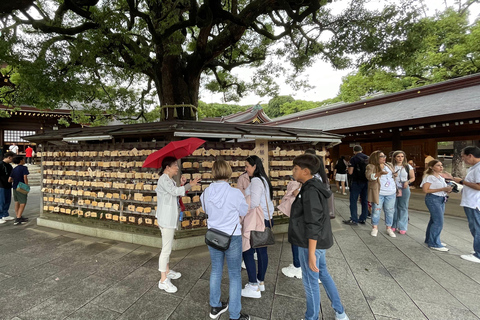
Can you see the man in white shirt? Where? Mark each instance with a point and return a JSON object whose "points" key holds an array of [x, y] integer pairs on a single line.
{"points": [[13, 148], [471, 198]]}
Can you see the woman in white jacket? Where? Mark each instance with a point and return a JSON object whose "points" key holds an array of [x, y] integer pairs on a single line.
{"points": [[224, 205], [167, 214], [261, 194]]}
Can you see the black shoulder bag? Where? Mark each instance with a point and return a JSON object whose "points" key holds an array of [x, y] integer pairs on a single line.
{"points": [[218, 239]]}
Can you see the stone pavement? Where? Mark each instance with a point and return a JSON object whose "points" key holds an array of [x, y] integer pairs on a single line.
{"points": [[50, 274]]}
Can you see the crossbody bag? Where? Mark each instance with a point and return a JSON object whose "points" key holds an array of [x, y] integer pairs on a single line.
{"points": [[218, 239]]}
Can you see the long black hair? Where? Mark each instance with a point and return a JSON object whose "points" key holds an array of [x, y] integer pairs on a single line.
{"points": [[260, 171], [321, 169]]}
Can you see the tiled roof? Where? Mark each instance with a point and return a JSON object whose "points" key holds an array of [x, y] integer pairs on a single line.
{"points": [[247, 116], [446, 98]]}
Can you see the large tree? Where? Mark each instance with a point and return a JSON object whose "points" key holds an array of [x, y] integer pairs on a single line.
{"points": [[127, 53]]}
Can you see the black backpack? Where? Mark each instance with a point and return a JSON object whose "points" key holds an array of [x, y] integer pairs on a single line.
{"points": [[359, 169]]}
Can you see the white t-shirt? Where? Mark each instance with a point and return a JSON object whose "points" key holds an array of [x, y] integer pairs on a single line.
{"points": [[436, 183], [14, 149], [471, 197], [259, 192], [387, 183], [402, 175]]}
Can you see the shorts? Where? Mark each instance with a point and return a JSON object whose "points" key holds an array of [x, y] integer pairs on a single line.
{"points": [[19, 197], [340, 177]]}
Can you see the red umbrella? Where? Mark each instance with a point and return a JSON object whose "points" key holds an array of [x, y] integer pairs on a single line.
{"points": [[176, 149]]}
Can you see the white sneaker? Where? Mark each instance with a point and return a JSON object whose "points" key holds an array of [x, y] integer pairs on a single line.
{"points": [[472, 252], [443, 244], [243, 265], [470, 257], [341, 316], [173, 275], [261, 285], [391, 233], [167, 286], [292, 272], [251, 291], [3, 221], [374, 232], [319, 281], [8, 218], [442, 249]]}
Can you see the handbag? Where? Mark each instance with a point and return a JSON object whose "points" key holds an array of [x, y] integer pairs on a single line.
{"points": [[259, 239], [331, 207], [23, 188], [218, 239], [399, 192], [331, 203]]}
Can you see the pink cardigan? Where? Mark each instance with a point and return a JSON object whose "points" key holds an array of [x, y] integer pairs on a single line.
{"points": [[243, 182], [288, 198], [254, 220]]}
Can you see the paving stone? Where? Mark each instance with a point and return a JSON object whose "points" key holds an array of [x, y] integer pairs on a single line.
{"points": [[58, 275], [94, 312], [124, 293], [155, 304], [190, 310], [83, 292], [435, 311], [124, 266], [286, 307], [48, 310]]}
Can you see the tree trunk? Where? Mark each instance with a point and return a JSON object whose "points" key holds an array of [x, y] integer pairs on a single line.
{"points": [[458, 167], [177, 85]]}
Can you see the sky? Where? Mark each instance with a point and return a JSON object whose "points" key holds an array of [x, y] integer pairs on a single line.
{"points": [[321, 74]]}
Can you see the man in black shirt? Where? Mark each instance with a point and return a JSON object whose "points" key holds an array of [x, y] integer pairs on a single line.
{"points": [[5, 187], [359, 186]]}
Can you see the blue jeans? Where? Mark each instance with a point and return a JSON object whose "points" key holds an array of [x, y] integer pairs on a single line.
{"points": [[473, 217], [296, 260], [388, 205], [5, 200], [400, 216], [234, 264], [310, 283], [262, 259], [436, 206], [358, 188]]}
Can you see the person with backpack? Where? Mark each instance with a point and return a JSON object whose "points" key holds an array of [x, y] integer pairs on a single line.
{"points": [[358, 187]]}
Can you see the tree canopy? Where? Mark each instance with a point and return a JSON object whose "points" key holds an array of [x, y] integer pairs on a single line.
{"points": [[435, 49], [128, 55]]}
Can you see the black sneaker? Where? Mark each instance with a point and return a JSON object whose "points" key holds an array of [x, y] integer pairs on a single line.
{"points": [[369, 216], [243, 316], [217, 311], [350, 222], [361, 222], [20, 220]]}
